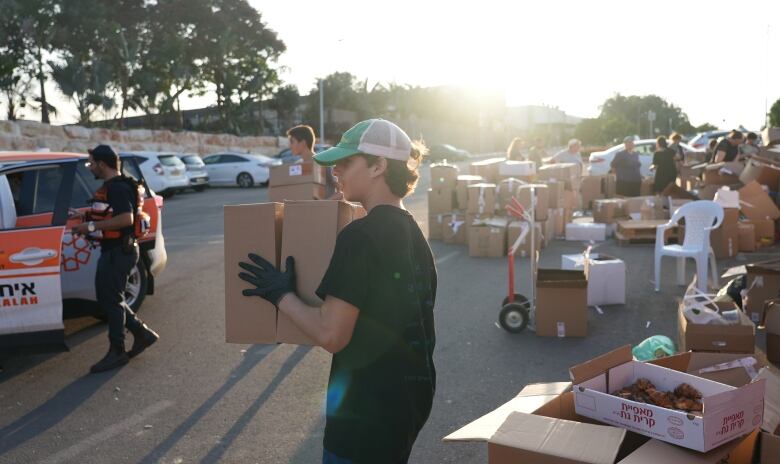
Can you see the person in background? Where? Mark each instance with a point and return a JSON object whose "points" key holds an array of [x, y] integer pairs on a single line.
{"points": [[626, 167], [679, 151], [302, 140], [571, 154], [750, 147], [728, 149], [664, 164], [537, 152], [515, 150], [711, 150]]}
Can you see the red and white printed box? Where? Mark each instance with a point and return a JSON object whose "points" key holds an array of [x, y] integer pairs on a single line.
{"points": [[728, 412]]}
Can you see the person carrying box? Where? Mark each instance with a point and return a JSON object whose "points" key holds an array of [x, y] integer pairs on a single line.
{"points": [[379, 292]]}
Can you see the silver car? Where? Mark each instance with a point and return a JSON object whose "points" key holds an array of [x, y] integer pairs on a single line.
{"points": [[196, 171]]}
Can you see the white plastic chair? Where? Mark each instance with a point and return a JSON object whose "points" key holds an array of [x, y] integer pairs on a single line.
{"points": [[701, 217]]}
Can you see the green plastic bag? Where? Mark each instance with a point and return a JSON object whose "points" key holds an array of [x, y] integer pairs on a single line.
{"points": [[657, 346]]}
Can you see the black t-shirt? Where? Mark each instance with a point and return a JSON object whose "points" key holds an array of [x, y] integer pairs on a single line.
{"points": [[121, 199], [382, 383], [731, 150]]}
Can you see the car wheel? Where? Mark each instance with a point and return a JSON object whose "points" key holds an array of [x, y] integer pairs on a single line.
{"points": [[135, 291], [245, 180]]}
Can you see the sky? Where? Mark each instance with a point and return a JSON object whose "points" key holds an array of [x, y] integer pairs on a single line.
{"points": [[715, 59]]}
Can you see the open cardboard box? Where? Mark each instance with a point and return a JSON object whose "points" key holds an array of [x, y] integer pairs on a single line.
{"points": [[770, 435], [606, 277], [763, 284], [728, 412], [733, 338]]}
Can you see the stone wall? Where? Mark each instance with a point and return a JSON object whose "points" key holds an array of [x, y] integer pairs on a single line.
{"points": [[31, 135]]}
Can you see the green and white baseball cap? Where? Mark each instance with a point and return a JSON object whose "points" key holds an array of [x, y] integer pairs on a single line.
{"points": [[376, 137]]}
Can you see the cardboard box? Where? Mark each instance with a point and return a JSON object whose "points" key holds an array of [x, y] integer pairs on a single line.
{"points": [[558, 218], [747, 236], [518, 169], [561, 303], [763, 284], [555, 194], [736, 338], [488, 169], [571, 200], [764, 231], [481, 199], [505, 191], [728, 412], [732, 369], [586, 231], [610, 186], [542, 203], [515, 231], [540, 425], [487, 238], [634, 204], [756, 203], [591, 189], [569, 173], [607, 211], [765, 171], [461, 192], [441, 201], [296, 192], [606, 277], [309, 235], [435, 222], [771, 323], [444, 176], [725, 240], [300, 173], [770, 435], [453, 229], [770, 136], [255, 229], [770, 448], [722, 173], [730, 216], [549, 232]]}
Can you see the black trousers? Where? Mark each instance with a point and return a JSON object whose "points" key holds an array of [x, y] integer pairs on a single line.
{"points": [[113, 269]]}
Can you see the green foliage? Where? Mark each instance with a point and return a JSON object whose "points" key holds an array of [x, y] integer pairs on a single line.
{"points": [[774, 114], [706, 127]]}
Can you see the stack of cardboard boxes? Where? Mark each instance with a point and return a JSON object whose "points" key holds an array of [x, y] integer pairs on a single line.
{"points": [[302, 181]]}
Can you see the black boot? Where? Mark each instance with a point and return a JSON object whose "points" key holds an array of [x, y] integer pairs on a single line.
{"points": [[115, 357], [143, 338]]}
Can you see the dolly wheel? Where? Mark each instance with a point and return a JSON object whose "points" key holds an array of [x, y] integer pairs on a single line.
{"points": [[513, 317], [518, 299]]}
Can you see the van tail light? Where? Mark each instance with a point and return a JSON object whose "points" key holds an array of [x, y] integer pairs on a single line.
{"points": [[158, 169]]}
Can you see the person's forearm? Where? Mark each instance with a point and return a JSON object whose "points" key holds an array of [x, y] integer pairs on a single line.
{"points": [[308, 318]]}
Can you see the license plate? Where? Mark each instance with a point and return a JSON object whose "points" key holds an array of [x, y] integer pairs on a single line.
{"points": [[175, 172], [199, 180]]}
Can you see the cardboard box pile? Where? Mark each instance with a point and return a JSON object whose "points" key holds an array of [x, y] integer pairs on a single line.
{"points": [[541, 424], [274, 230]]}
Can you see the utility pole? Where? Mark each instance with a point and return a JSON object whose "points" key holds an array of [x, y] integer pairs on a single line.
{"points": [[322, 112]]}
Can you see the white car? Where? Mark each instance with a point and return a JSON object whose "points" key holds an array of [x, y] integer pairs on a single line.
{"points": [[196, 171], [165, 173], [244, 170], [701, 141], [600, 160]]}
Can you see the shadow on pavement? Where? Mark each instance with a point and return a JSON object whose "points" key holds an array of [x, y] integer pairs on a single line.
{"points": [[50, 413], [252, 357], [215, 455]]}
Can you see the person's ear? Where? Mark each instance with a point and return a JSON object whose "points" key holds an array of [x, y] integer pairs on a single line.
{"points": [[379, 167]]}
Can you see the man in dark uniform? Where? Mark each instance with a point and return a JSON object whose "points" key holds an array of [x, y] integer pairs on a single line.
{"points": [[728, 149], [115, 204]]}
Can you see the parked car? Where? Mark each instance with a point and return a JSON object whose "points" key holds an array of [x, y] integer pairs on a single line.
{"points": [[444, 151], [600, 160], [196, 171], [288, 158], [702, 140], [244, 170], [165, 173], [47, 274]]}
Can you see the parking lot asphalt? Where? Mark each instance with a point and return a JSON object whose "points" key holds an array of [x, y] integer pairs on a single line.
{"points": [[194, 398]]}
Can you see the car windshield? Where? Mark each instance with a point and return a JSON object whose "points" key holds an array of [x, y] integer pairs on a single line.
{"points": [[170, 160], [192, 160]]}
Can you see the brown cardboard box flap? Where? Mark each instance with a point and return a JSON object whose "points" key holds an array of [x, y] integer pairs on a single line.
{"points": [[248, 229], [560, 438], [550, 278], [771, 422], [657, 452], [756, 203], [601, 364], [530, 399], [676, 192], [719, 367], [770, 448]]}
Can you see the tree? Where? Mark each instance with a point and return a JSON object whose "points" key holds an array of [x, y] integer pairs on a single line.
{"points": [[37, 19], [774, 114], [285, 102], [706, 127], [14, 64], [84, 83]]}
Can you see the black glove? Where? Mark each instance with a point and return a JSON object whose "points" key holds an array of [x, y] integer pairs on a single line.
{"points": [[270, 283]]}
